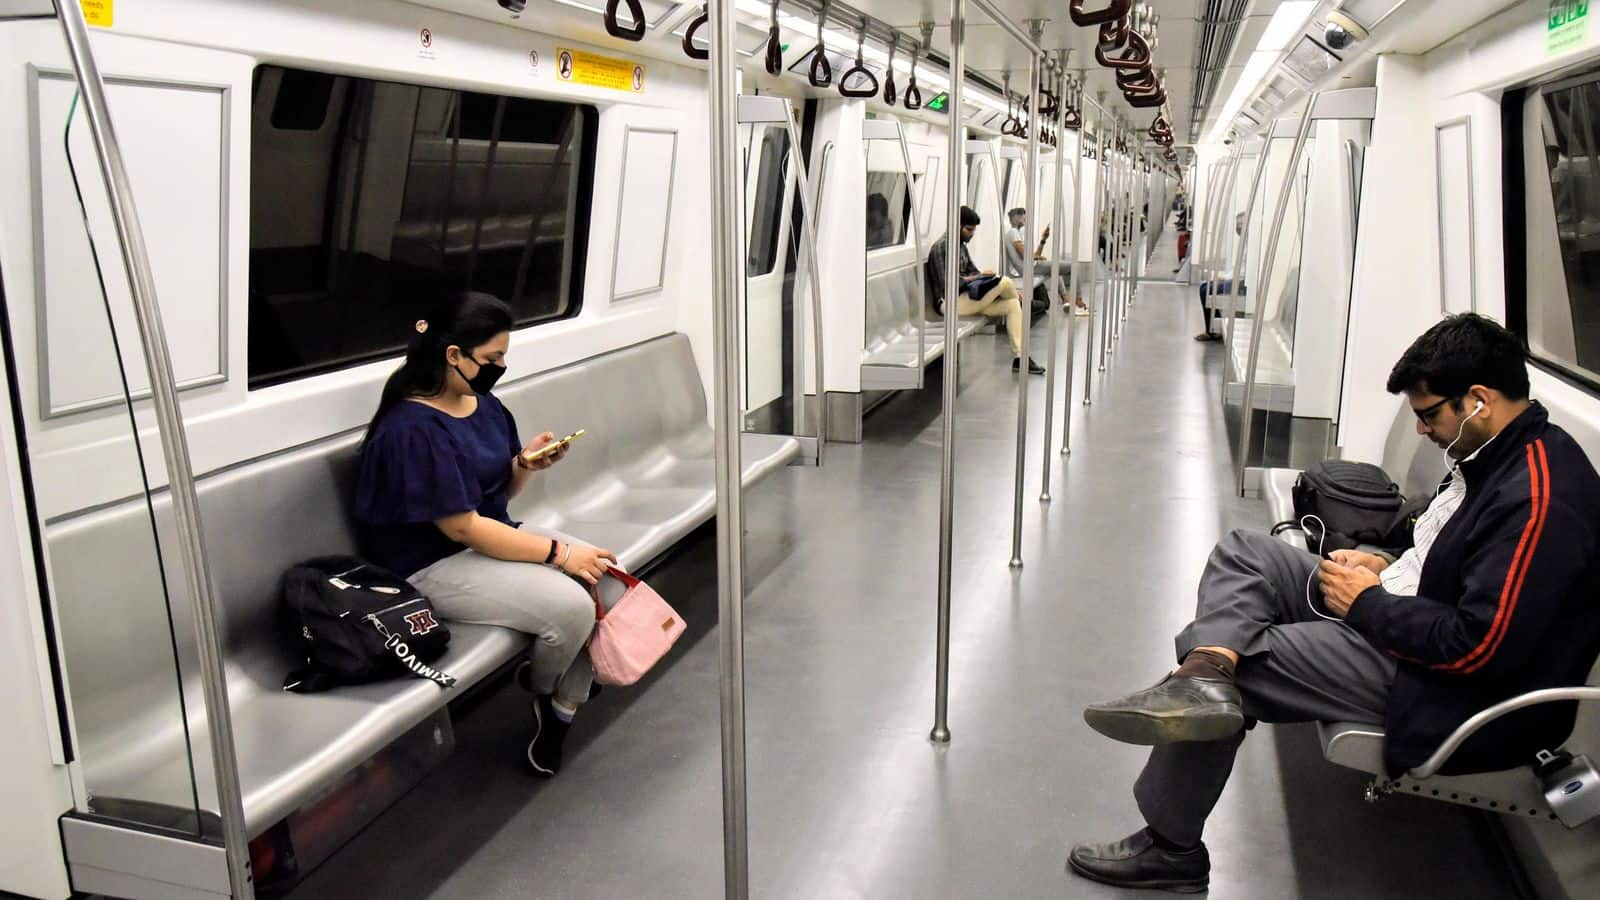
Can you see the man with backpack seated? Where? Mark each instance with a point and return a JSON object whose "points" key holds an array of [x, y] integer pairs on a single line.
{"points": [[1492, 599]]}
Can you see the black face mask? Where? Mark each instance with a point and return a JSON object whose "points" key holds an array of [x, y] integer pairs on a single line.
{"points": [[484, 381]]}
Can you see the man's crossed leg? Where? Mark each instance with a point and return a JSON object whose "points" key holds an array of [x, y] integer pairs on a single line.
{"points": [[1256, 651]]}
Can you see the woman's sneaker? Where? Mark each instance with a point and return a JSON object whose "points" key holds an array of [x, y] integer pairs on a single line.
{"points": [[549, 733]]}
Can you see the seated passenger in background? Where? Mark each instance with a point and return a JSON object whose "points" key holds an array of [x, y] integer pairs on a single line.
{"points": [[1224, 286], [1016, 253], [439, 465], [983, 293], [880, 231], [1494, 599]]}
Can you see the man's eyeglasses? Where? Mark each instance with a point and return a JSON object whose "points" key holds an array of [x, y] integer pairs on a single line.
{"points": [[1426, 414]]}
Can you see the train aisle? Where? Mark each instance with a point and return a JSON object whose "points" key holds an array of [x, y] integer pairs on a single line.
{"points": [[847, 796]]}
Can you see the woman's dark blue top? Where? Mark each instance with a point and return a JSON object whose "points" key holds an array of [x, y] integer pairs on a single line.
{"points": [[421, 464]]}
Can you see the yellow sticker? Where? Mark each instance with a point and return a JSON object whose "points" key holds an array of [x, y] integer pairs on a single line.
{"points": [[595, 70], [98, 12]]}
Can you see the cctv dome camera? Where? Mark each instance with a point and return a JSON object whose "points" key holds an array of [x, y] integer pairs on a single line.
{"points": [[1342, 31]]}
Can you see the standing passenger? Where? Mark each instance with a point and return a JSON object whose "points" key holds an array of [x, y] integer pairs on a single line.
{"points": [[439, 465]]}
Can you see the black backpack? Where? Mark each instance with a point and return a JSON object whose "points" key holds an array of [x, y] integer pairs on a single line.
{"points": [[356, 623], [1354, 502]]}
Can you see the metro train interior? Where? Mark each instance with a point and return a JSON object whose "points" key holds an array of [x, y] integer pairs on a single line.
{"points": [[912, 549]]}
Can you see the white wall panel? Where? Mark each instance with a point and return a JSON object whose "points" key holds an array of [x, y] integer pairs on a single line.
{"points": [[174, 140], [639, 254]]}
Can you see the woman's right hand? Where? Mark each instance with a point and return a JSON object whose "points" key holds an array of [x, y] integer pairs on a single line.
{"points": [[587, 563]]}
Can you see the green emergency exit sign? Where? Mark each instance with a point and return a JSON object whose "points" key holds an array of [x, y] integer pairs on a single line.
{"points": [[1566, 26]]}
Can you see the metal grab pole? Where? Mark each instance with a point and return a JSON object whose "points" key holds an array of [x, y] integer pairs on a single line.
{"points": [[1030, 277], [1052, 287], [1237, 287], [1094, 249], [808, 235], [1108, 309], [1079, 179], [916, 240], [174, 446], [952, 285], [1247, 420], [730, 504]]}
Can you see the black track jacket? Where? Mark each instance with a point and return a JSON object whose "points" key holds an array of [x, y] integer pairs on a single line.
{"points": [[1507, 604]]}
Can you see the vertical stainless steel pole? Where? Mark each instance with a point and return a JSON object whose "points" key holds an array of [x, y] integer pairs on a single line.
{"points": [[1120, 213], [1062, 99], [1094, 247], [952, 287], [174, 446], [730, 505], [1030, 277], [1108, 309], [1079, 271], [1257, 325]]}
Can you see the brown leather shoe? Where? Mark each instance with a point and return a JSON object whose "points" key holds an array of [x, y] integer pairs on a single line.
{"points": [[1137, 861], [1176, 709]]}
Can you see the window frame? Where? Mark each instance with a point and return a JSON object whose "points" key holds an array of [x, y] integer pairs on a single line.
{"points": [[581, 211], [1514, 228]]}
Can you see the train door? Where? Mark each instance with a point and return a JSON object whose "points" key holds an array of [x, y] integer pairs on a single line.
{"points": [[769, 194], [1288, 349]]}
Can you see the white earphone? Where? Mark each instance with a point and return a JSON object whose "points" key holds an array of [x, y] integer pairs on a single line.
{"points": [[1460, 430]]}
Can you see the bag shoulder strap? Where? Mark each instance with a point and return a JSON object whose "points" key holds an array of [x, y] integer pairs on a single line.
{"points": [[407, 658]]}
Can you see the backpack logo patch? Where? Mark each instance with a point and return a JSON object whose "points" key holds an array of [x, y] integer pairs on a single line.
{"points": [[422, 621]]}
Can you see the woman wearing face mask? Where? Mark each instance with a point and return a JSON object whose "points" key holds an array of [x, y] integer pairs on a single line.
{"points": [[439, 465]]}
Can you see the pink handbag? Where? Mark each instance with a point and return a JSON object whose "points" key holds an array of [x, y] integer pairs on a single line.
{"points": [[634, 634]]}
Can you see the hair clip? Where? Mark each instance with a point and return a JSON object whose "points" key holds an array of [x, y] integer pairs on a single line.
{"points": [[422, 326]]}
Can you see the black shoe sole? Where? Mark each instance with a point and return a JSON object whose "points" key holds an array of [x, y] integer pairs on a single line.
{"points": [[1206, 723], [1176, 886]]}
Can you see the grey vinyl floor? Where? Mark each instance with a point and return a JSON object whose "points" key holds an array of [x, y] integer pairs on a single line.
{"points": [[847, 797]]}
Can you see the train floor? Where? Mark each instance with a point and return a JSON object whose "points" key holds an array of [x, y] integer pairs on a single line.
{"points": [[847, 796]]}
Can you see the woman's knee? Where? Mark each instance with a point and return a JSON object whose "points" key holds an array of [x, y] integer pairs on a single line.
{"points": [[570, 617]]}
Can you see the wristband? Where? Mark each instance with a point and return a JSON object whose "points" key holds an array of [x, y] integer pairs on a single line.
{"points": [[550, 557]]}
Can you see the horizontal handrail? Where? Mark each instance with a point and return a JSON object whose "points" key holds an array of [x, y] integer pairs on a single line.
{"points": [[1467, 729]]}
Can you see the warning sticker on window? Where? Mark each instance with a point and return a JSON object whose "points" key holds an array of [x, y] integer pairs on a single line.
{"points": [[98, 12], [594, 70]]}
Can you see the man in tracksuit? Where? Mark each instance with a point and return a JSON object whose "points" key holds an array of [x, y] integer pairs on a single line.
{"points": [[1496, 598]]}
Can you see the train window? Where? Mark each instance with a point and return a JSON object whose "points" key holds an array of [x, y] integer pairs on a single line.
{"points": [[302, 101], [888, 209], [414, 192], [766, 215]]}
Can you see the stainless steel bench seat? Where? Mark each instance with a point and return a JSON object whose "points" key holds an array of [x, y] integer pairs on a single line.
{"points": [[640, 481]]}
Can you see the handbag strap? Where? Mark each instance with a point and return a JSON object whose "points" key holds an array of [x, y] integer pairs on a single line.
{"points": [[628, 582]]}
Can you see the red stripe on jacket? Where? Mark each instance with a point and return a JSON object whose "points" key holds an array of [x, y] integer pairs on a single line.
{"points": [[1516, 573]]}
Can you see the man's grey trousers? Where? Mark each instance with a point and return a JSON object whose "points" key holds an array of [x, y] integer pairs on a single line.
{"points": [[1294, 666]]}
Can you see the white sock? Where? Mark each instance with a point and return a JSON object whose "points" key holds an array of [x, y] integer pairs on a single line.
{"points": [[562, 711]]}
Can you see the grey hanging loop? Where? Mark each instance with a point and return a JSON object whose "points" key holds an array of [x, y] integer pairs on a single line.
{"points": [[889, 94]]}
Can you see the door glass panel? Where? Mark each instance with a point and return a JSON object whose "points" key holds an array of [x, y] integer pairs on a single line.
{"points": [[774, 327], [113, 575]]}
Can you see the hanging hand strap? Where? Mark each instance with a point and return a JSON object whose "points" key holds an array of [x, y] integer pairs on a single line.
{"points": [[860, 68], [774, 44], [1116, 10], [689, 49], [821, 73], [889, 94], [634, 32], [913, 93]]}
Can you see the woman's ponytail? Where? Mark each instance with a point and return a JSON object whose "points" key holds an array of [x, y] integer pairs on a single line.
{"points": [[465, 320]]}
